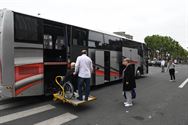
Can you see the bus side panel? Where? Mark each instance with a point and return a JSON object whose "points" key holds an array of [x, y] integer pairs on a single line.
{"points": [[7, 54], [1, 18], [132, 54], [29, 71], [99, 67], [91, 54], [145, 58], [115, 61]]}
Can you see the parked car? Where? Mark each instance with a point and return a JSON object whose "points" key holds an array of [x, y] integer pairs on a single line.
{"points": [[157, 63], [154, 62]]}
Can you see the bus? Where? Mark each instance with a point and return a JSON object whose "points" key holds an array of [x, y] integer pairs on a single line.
{"points": [[33, 51]]}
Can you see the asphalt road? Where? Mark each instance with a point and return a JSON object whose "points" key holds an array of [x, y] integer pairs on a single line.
{"points": [[158, 102]]}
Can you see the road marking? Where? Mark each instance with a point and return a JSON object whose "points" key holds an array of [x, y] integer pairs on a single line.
{"points": [[58, 120], [25, 113], [184, 83], [6, 106], [12, 105]]}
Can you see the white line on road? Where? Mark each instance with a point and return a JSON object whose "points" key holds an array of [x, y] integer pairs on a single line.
{"points": [[25, 113], [184, 83], [11, 105], [58, 120], [6, 106]]}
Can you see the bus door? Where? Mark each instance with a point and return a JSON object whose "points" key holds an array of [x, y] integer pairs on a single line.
{"points": [[106, 66], [55, 56], [102, 66]]}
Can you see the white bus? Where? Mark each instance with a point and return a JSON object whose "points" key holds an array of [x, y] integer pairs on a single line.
{"points": [[34, 50]]}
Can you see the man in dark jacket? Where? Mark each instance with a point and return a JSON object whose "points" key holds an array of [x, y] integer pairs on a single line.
{"points": [[128, 81]]}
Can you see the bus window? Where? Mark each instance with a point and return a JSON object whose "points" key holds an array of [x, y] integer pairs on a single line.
{"points": [[96, 38], [112, 42], [27, 29], [79, 37], [48, 44], [110, 39], [83, 38], [59, 44], [75, 41], [92, 44]]}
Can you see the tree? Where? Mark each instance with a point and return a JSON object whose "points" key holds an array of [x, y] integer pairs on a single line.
{"points": [[161, 46]]}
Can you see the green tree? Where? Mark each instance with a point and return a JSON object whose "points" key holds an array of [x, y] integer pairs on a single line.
{"points": [[161, 46]]}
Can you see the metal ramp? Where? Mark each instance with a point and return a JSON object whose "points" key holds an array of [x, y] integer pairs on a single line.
{"points": [[73, 101]]}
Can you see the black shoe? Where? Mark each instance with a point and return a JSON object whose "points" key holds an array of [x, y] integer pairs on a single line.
{"points": [[79, 98]]}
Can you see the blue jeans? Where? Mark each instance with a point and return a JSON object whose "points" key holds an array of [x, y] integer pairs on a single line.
{"points": [[81, 81]]}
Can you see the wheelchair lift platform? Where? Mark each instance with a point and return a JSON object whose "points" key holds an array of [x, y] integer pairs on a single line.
{"points": [[61, 95], [73, 101]]}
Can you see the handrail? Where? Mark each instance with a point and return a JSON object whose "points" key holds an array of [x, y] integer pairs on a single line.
{"points": [[57, 82]]}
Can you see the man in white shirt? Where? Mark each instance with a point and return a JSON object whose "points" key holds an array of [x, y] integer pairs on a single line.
{"points": [[163, 65], [84, 68]]}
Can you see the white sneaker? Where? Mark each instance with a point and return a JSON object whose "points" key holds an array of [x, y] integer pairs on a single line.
{"points": [[76, 94], [125, 103], [128, 105]]}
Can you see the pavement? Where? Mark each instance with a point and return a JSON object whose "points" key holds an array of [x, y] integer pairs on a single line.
{"points": [[158, 102]]}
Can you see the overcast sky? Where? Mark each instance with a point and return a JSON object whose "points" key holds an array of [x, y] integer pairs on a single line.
{"points": [[139, 18]]}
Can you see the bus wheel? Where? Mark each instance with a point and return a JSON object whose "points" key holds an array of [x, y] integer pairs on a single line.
{"points": [[68, 89], [138, 74]]}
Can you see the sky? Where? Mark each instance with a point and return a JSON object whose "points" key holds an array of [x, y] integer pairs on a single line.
{"points": [[139, 18]]}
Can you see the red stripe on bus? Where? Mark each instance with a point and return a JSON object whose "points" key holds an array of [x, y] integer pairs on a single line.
{"points": [[18, 91], [114, 73], [101, 73], [28, 70]]}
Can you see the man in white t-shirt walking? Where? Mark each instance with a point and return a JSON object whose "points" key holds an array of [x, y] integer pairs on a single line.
{"points": [[163, 65], [84, 68]]}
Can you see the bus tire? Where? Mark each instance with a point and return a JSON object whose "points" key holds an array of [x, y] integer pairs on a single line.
{"points": [[138, 73]]}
